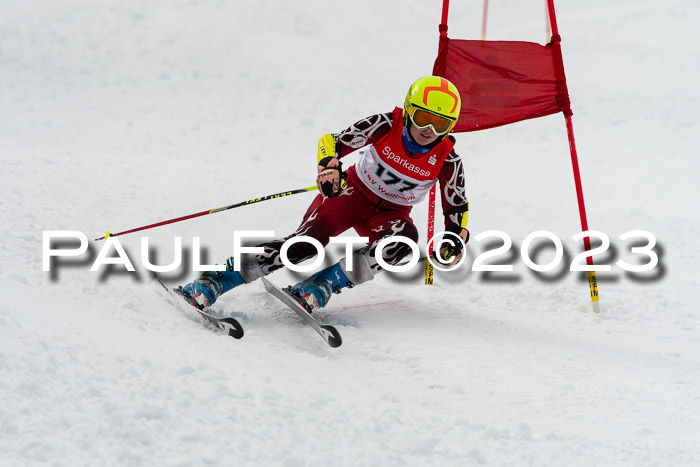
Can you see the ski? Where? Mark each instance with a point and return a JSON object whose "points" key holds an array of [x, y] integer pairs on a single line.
{"points": [[229, 325], [329, 333]]}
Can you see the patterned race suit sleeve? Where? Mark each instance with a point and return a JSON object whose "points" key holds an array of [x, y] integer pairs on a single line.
{"points": [[451, 177], [367, 131], [455, 205]]}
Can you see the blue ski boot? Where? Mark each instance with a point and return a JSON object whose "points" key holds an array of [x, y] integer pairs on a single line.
{"points": [[315, 291], [203, 292]]}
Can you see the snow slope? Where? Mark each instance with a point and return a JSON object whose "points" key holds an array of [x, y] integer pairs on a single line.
{"points": [[119, 114]]}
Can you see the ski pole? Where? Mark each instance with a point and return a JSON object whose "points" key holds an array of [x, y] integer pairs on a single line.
{"points": [[211, 211]]}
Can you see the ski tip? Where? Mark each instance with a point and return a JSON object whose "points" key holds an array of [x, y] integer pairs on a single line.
{"points": [[234, 328], [333, 339]]}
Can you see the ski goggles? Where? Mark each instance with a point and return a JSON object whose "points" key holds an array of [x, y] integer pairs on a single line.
{"points": [[423, 119]]}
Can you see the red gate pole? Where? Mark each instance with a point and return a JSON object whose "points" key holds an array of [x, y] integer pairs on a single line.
{"points": [[431, 196], [592, 281], [431, 232], [443, 22]]}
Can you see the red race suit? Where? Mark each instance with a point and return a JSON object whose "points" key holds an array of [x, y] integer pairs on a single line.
{"points": [[383, 186]]}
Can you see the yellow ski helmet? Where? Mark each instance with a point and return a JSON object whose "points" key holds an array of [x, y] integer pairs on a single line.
{"points": [[432, 102]]}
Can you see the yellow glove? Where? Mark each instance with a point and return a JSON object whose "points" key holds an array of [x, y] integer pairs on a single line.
{"points": [[331, 179], [326, 147], [453, 251]]}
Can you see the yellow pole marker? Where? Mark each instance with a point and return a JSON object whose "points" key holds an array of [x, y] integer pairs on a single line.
{"points": [[593, 284]]}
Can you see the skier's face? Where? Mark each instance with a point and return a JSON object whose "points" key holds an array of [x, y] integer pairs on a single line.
{"points": [[423, 137]]}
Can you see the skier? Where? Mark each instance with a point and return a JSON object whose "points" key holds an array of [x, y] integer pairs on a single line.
{"points": [[402, 155]]}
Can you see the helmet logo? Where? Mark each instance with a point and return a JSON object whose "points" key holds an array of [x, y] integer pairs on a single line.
{"points": [[444, 87]]}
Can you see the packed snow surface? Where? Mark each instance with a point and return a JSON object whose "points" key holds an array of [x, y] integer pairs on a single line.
{"points": [[116, 114]]}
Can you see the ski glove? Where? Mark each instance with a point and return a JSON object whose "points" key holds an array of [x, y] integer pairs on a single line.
{"points": [[452, 248], [326, 147], [331, 179]]}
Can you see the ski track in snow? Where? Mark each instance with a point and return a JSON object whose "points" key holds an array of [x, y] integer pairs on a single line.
{"points": [[118, 115]]}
